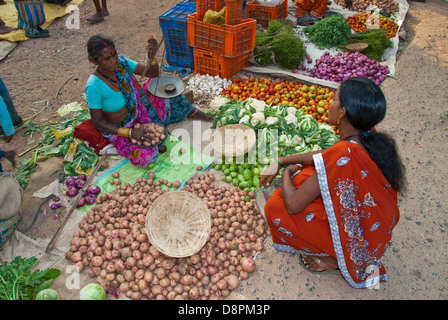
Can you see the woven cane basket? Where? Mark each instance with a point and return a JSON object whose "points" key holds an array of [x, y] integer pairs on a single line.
{"points": [[233, 140], [178, 224]]}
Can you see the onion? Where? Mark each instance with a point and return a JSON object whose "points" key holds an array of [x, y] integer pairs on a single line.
{"points": [[90, 199], [71, 192], [81, 202], [79, 183], [70, 182], [82, 177], [93, 190]]}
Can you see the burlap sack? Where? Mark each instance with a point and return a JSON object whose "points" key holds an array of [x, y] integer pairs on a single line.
{"points": [[10, 203]]}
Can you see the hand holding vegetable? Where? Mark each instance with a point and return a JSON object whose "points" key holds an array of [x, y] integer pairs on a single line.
{"points": [[137, 133]]}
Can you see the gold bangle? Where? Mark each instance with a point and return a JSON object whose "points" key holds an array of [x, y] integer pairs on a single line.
{"points": [[154, 62], [124, 132]]}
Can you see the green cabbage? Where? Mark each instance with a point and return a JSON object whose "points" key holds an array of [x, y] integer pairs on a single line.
{"points": [[92, 291]]}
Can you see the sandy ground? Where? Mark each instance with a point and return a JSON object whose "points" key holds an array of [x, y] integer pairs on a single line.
{"points": [[56, 69]]}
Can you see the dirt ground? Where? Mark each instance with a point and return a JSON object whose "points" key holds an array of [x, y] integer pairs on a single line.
{"points": [[56, 69]]}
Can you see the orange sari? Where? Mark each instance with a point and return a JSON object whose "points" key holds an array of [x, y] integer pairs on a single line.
{"points": [[351, 221], [317, 8]]}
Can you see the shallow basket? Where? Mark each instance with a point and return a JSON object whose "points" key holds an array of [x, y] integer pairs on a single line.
{"points": [[178, 224], [357, 47], [233, 140]]}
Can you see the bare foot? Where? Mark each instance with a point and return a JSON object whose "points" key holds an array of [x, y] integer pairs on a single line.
{"points": [[320, 263], [198, 114], [96, 18], [6, 29]]}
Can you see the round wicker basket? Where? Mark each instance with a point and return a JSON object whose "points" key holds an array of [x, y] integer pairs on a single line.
{"points": [[178, 224], [357, 47], [233, 140]]}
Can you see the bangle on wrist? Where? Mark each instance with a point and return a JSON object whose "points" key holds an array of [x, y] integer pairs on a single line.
{"points": [[301, 156], [124, 132], [280, 164]]}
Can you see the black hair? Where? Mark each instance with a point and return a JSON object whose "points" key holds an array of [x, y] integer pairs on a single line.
{"points": [[97, 43], [365, 107]]}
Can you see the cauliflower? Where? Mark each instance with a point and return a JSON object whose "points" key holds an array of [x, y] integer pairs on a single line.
{"points": [[245, 119], [258, 105], [291, 118], [296, 140], [316, 147], [257, 117], [291, 140], [271, 120], [326, 127], [217, 102], [291, 110]]}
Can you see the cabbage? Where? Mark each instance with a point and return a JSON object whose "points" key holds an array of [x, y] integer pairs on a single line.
{"points": [[92, 291], [47, 294]]}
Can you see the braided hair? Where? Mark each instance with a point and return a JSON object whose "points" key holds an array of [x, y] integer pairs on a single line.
{"points": [[365, 107]]}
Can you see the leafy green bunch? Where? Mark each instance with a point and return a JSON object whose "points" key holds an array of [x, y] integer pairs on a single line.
{"points": [[330, 32], [19, 282], [376, 39], [279, 45]]}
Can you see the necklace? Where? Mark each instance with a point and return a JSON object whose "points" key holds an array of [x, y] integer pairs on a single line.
{"points": [[108, 78]]}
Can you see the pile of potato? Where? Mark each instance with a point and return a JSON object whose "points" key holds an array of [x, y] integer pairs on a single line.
{"points": [[113, 247], [154, 134], [361, 5]]}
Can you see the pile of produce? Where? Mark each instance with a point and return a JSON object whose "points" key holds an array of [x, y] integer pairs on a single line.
{"points": [[361, 5], [55, 141], [293, 94], [113, 246], [206, 86], [279, 45], [281, 129], [358, 23], [74, 185], [153, 134], [376, 39], [341, 67], [330, 32]]}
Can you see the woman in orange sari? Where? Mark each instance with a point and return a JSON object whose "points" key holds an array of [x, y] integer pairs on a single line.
{"points": [[337, 208]]}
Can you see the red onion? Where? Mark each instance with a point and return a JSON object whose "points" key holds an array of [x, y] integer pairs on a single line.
{"points": [[55, 205], [79, 183], [70, 182], [341, 67], [90, 199], [71, 192], [81, 202], [93, 190], [82, 177]]}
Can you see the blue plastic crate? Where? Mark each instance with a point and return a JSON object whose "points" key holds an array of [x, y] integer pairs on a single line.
{"points": [[189, 3], [174, 27]]}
